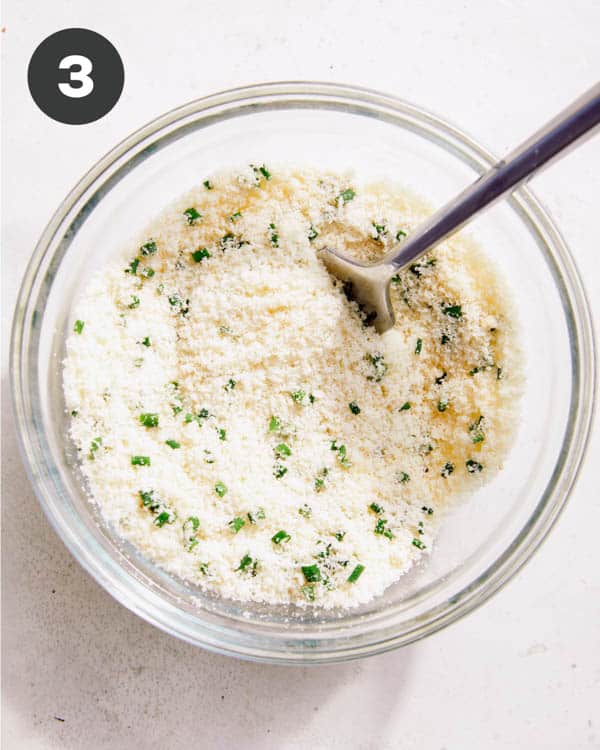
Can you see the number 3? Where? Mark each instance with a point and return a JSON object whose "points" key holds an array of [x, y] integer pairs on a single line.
{"points": [[82, 76]]}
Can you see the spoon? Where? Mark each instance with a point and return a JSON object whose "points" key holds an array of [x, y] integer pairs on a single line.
{"points": [[369, 284]]}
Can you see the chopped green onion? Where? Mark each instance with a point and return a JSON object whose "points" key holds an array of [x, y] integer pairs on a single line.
{"points": [[190, 527], [305, 511], [265, 172], [203, 566], [173, 444], [381, 231], [453, 311], [347, 195], [245, 562], [222, 433], [274, 235], [380, 528], [280, 536], [442, 405], [339, 535], [312, 573], [442, 377], [405, 406], [298, 396], [220, 489], [312, 233], [165, 516], [376, 508], [140, 460], [208, 184], [354, 407], [282, 451], [308, 592], [135, 302], [148, 272], [236, 216], [146, 341], [258, 515], [379, 365], [191, 215], [428, 510], [419, 346], [94, 445], [418, 544], [356, 573], [279, 470], [149, 248], [149, 420], [400, 233], [78, 327], [133, 266], [274, 424], [230, 384], [199, 254], [473, 466], [447, 469], [403, 477], [236, 524], [476, 430]]}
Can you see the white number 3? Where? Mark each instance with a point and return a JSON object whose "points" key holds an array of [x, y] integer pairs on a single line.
{"points": [[82, 76]]}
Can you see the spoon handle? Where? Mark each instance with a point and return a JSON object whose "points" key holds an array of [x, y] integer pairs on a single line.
{"points": [[577, 120]]}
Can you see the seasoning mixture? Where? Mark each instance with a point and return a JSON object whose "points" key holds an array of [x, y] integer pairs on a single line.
{"points": [[238, 422]]}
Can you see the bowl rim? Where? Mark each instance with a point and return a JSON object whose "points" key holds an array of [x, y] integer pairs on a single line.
{"points": [[575, 308]]}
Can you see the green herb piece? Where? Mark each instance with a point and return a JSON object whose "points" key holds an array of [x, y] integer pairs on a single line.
{"points": [[191, 215], [442, 404], [339, 535], [376, 508], [280, 536], [298, 396], [208, 185], [274, 235], [347, 195], [341, 454], [379, 365], [265, 172], [400, 233], [220, 489], [222, 433], [146, 341], [311, 398], [441, 378], [396, 279], [381, 529], [312, 573], [274, 424], [445, 339], [499, 374], [279, 470], [149, 420], [148, 272], [198, 418], [476, 431], [354, 407], [473, 466], [312, 233], [190, 527], [173, 444], [140, 460], [405, 406], [176, 301], [230, 384], [78, 327], [203, 566], [453, 311], [356, 573], [94, 446], [419, 346], [319, 484], [149, 248], [428, 510], [236, 523], [418, 268], [245, 563], [447, 469], [257, 515], [308, 592], [165, 516], [133, 266], [149, 501], [135, 302], [380, 230], [403, 477], [199, 254], [74, 413], [236, 216], [418, 544], [305, 511], [282, 451]]}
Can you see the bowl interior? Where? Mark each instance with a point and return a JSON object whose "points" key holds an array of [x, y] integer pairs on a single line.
{"points": [[375, 140]]}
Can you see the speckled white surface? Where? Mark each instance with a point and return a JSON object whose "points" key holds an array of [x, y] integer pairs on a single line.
{"points": [[80, 671]]}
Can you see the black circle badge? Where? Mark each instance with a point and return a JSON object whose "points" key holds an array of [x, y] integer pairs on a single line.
{"points": [[75, 76]]}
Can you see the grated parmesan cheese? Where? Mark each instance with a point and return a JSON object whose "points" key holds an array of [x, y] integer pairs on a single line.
{"points": [[238, 422]]}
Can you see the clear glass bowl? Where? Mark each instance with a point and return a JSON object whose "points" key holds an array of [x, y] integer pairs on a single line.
{"points": [[486, 541]]}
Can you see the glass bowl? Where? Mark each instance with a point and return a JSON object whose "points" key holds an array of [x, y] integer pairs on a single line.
{"points": [[485, 542]]}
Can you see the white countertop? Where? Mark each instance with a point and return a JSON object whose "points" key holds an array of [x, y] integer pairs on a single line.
{"points": [[79, 670]]}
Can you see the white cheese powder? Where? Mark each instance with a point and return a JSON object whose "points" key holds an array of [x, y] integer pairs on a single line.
{"points": [[238, 422]]}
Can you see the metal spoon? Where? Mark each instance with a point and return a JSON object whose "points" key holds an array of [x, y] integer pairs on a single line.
{"points": [[369, 285]]}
